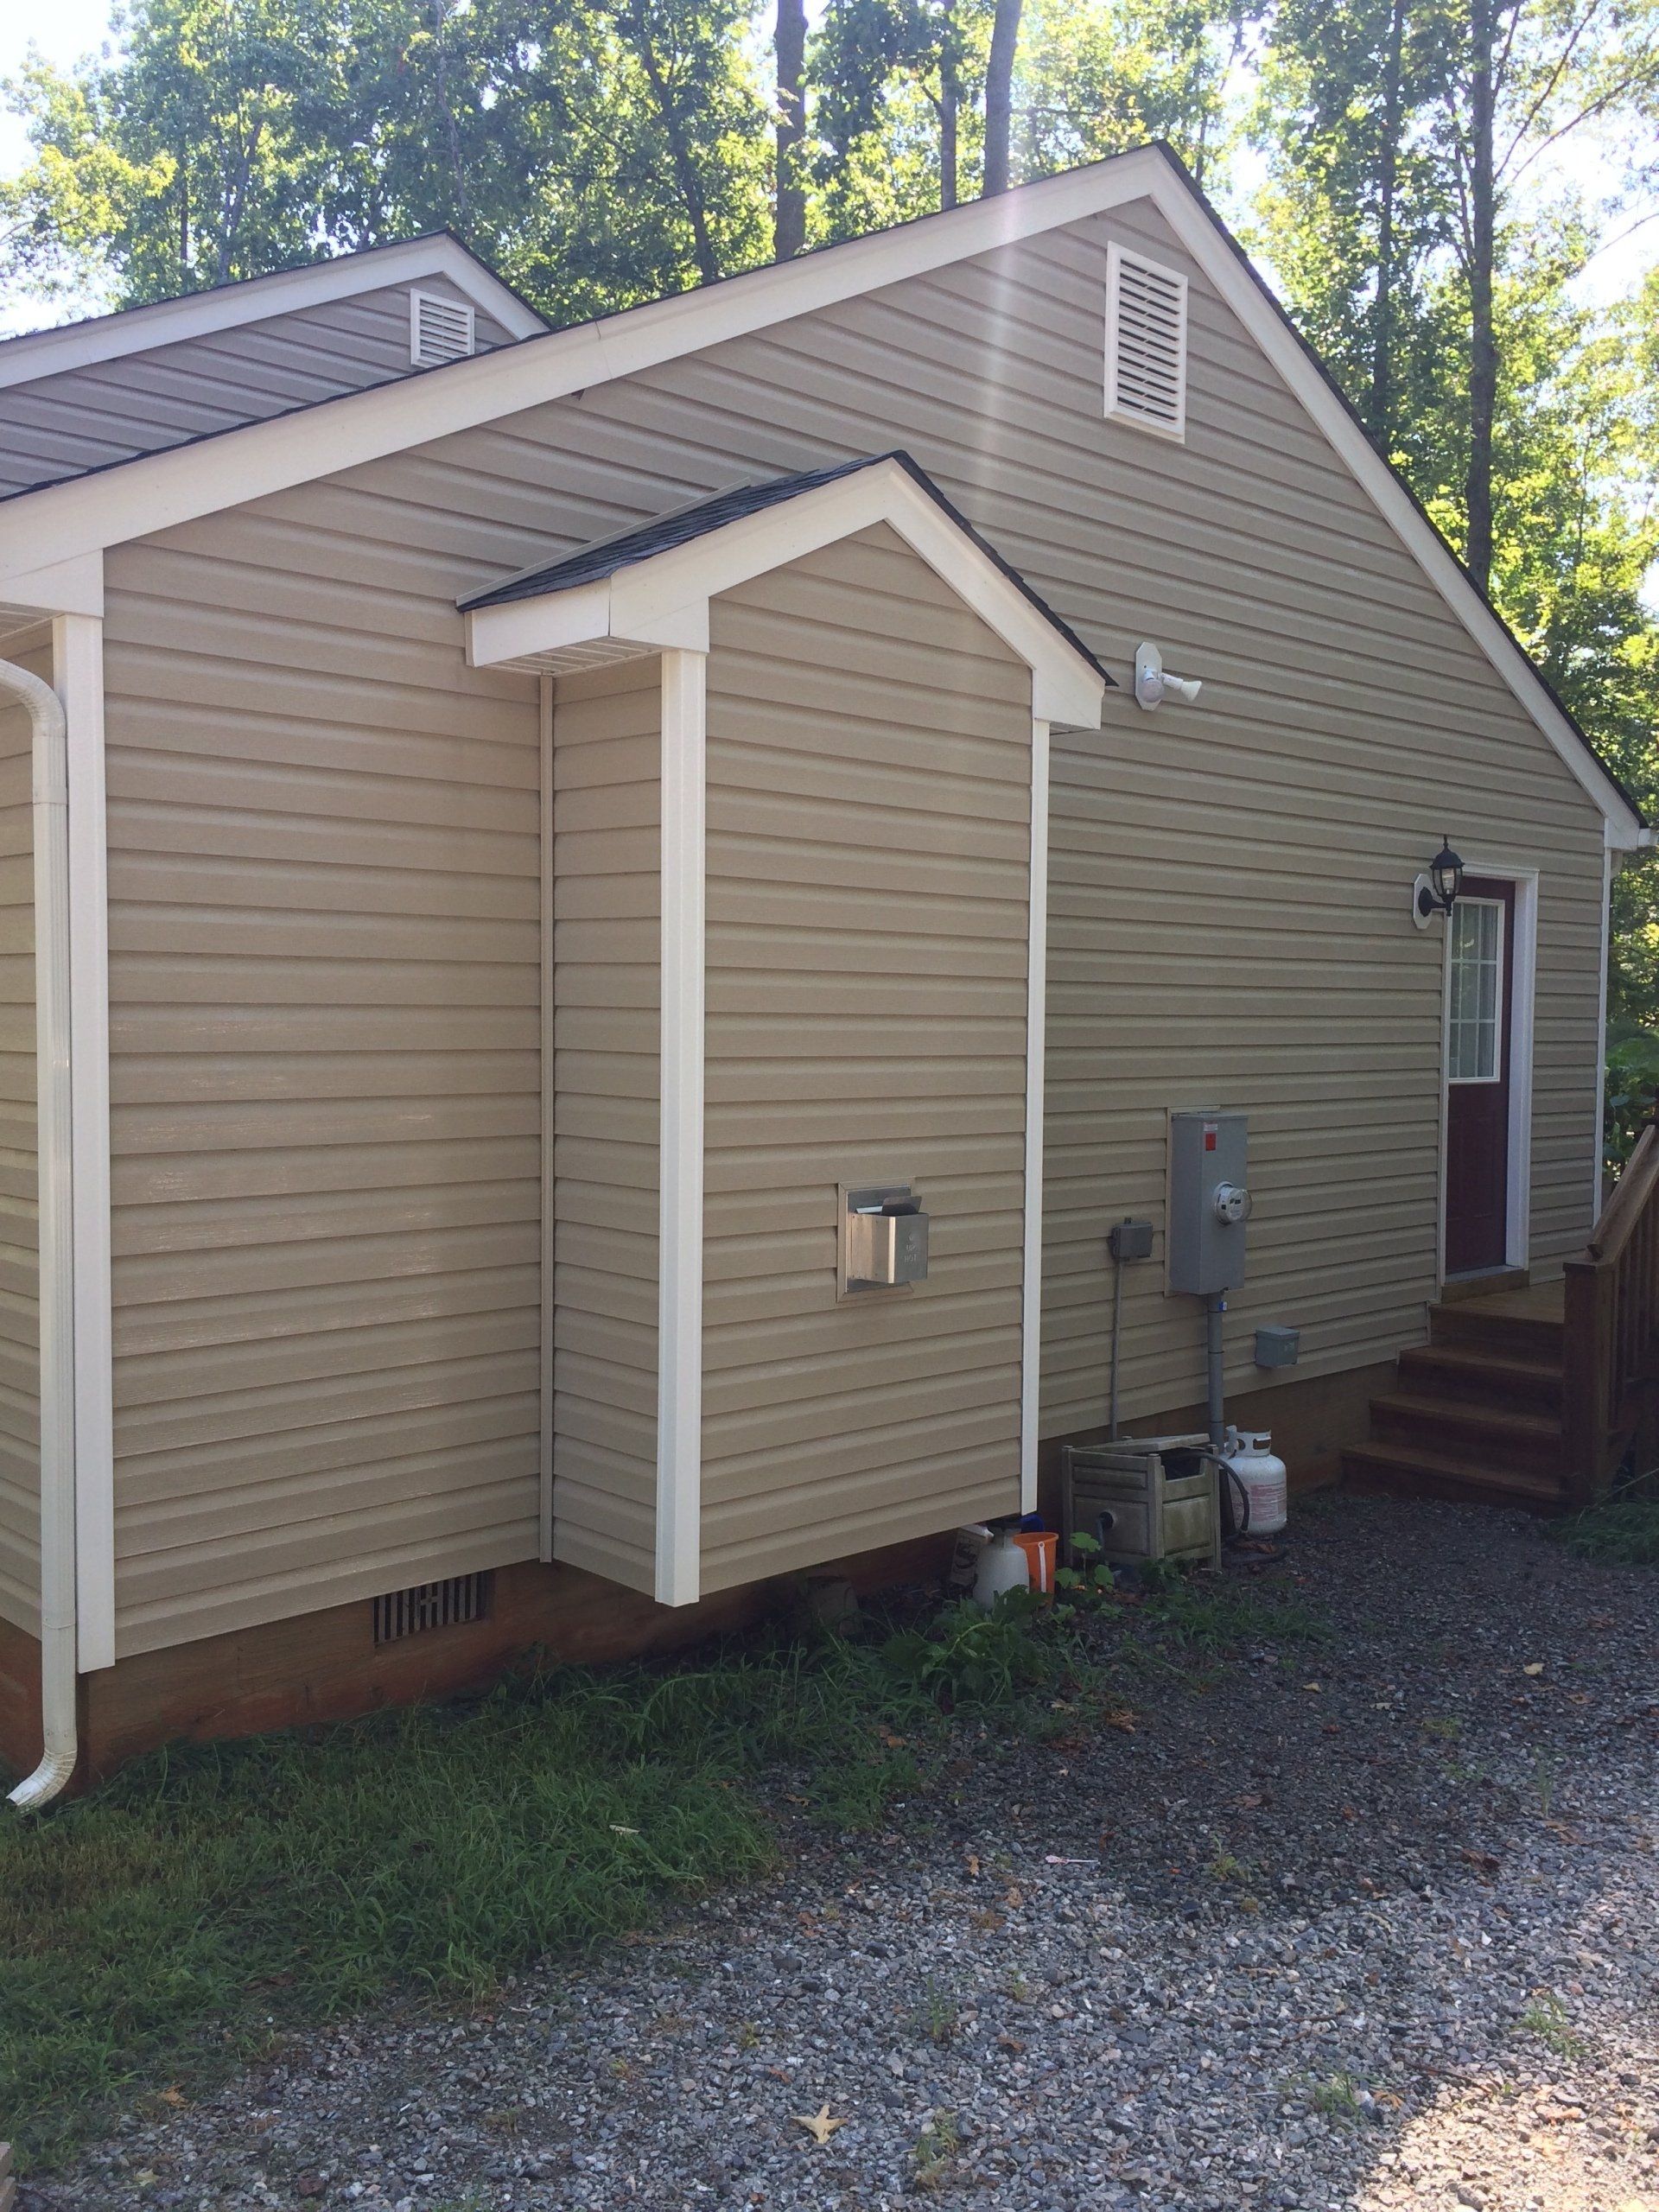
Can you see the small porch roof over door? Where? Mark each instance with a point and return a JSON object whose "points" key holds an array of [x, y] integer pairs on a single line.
{"points": [[648, 588]]}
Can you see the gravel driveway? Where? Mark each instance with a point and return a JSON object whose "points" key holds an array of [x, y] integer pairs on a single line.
{"points": [[1372, 1926]]}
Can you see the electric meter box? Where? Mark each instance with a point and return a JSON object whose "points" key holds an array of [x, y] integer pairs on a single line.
{"points": [[1209, 1203]]}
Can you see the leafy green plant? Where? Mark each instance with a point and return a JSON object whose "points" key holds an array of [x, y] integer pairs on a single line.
{"points": [[974, 1658], [1546, 2018], [1623, 1532], [936, 2148], [1632, 1085], [936, 2015], [1337, 2097]]}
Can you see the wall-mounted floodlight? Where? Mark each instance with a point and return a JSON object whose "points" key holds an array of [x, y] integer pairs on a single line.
{"points": [[1153, 684], [1436, 891]]}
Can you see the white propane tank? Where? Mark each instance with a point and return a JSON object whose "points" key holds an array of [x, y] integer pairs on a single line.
{"points": [[1002, 1565], [1262, 1474]]}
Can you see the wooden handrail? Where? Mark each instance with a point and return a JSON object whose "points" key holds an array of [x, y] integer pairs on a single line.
{"points": [[1610, 1343]]}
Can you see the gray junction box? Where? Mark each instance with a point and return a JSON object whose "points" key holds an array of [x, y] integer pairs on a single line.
{"points": [[1209, 1203]]}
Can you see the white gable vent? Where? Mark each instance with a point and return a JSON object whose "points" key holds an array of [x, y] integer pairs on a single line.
{"points": [[1146, 343], [440, 329]]}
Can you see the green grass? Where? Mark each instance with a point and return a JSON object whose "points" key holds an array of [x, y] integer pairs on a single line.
{"points": [[156, 1932], [1624, 1532], [1208, 1619]]}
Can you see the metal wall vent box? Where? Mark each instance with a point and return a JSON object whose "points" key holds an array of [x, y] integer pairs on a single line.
{"points": [[1278, 1347], [1145, 1498], [883, 1238]]}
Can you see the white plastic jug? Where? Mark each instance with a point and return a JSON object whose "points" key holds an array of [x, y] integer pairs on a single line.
{"points": [[1263, 1475], [1002, 1565]]}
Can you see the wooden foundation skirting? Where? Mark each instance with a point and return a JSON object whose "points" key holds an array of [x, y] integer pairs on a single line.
{"points": [[326, 1666]]}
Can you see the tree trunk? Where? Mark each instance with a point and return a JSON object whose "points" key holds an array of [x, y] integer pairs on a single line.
{"points": [[679, 150], [949, 103], [789, 221], [1388, 184], [999, 95], [457, 167], [1483, 340]]}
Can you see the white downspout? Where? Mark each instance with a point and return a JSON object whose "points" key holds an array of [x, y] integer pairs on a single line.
{"points": [[57, 1383]]}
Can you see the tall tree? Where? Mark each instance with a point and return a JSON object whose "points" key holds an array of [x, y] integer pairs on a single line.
{"points": [[599, 151], [1406, 137], [789, 54], [999, 95]]}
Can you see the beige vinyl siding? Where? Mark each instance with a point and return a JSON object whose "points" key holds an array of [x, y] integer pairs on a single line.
{"points": [[20, 1272], [62, 425], [1229, 919], [868, 827], [324, 981], [606, 1063], [1229, 882]]}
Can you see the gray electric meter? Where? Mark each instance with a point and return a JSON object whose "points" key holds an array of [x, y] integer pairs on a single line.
{"points": [[1209, 1203]]}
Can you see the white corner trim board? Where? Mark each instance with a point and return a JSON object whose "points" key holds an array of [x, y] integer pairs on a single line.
{"points": [[549, 1097], [1031, 1295], [663, 601], [286, 291], [60, 520], [78, 655], [679, 1312]]}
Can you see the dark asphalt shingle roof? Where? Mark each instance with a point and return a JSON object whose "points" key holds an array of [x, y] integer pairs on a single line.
{"points": [[630, 547]]}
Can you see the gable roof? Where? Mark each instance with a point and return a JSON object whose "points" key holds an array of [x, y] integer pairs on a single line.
{"points": [[47, 529], [36, 353], [649, 587]]}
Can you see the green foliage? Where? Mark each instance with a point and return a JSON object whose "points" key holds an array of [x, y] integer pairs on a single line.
{"points": [[1622, 1532], [973, 1658], [1546, 2017], [1337, 2097], [1208, 1618]]}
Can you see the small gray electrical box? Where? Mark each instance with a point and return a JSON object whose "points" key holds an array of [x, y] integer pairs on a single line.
{"points": [[883, 1238], [1129, 1240], [1278, 1347], [1209, 1203]]}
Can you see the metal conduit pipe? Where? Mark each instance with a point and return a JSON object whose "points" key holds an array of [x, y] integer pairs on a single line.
{"points": [[50, 784]]}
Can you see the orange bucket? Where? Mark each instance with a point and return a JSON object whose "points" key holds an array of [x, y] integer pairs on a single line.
{"points": [[1041, 1548]]}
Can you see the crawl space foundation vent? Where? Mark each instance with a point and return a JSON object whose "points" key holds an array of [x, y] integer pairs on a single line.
{"points": [[431, 1604]]}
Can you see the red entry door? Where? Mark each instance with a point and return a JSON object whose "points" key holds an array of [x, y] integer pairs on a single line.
{"points": [[1480, 969]]}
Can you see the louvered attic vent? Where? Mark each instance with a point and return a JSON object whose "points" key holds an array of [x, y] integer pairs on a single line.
{"points": [[431, 1604], [440, 329], [1146, 343]]}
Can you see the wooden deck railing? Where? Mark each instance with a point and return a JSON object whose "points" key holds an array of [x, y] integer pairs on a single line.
{"points": [[1610, 1351]]}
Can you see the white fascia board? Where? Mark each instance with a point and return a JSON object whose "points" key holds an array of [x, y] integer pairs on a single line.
{"points": [[663, 601], [1240, 292], [74, 586], [200, 314], [159, 489]]}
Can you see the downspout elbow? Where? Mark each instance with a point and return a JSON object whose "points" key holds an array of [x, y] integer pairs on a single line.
{"points": [[59, 1625]]}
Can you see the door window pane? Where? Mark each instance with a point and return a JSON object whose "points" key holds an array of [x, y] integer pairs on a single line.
{"points": [[1475, 1036]]}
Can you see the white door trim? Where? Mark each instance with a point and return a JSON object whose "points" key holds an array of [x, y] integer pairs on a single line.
{"points": [[1523, 978]]}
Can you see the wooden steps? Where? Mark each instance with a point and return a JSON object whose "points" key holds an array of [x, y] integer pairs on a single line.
{"points": [[1476, 1417]]}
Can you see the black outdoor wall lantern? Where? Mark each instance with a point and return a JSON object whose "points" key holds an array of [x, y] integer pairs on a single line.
{"points": [[1436, 893]]}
